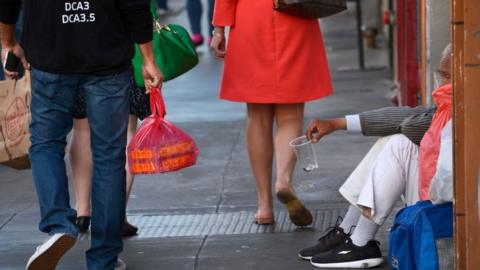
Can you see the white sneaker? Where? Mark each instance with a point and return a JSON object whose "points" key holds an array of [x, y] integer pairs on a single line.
{"points": [[50, 252], [120, 265]]}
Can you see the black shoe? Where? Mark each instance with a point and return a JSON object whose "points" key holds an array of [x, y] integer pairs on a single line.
{"points": [[334, 236], [128, 229], [83, 223], [348, 255]]}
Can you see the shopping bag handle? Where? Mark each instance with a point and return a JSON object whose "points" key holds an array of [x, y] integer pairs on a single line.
{"points": [[157, 105]]}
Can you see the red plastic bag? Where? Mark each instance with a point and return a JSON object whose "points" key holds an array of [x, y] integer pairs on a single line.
{"points": [[159, 146], [430, 144]]}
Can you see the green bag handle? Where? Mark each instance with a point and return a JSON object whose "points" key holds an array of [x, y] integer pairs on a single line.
{"points": [[153, 10], [174, 51]]}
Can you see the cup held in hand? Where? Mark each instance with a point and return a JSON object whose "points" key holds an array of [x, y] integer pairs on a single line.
{"points": [[306, 155]]}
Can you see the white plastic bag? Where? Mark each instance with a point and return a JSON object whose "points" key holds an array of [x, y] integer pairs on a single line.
{"points": [[441, 188]]}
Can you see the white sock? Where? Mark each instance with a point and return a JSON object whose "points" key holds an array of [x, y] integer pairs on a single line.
{"points": [[364, 232], [350, 219]]}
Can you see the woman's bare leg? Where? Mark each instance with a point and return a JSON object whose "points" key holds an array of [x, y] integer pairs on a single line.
{"points": [[132, 128], [289, 120], [260, 152], [82, 165], [129, 229]]}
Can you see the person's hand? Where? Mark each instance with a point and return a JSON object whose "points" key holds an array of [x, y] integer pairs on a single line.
{"points": [[17, 50], [218, 44], [319, 128], [152, 76]]}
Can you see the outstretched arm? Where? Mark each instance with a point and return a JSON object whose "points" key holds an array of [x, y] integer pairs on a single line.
{"points": [[412, 122], [319, 128]]}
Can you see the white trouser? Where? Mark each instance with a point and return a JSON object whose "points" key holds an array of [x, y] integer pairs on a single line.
{"points": [[387, 173]]}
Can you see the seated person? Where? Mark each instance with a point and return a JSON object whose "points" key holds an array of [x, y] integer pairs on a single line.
{"points": [[387, 173]]}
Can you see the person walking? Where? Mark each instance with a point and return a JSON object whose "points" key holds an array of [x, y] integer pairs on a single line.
{"points": [[88, 48], [274, 63], [81, 157], [195, 10]]}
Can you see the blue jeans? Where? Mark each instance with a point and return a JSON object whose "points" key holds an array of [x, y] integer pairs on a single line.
{"points": [[195, 10], [107, 106]]}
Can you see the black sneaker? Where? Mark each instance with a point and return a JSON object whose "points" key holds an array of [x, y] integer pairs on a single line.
{"points": [[334, 236], [348, 255]]}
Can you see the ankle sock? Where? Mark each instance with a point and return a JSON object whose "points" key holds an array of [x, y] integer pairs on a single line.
{"points": [[364, 232], [350, 219]]}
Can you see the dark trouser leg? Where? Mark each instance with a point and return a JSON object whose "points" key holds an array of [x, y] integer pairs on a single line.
{"points": [[107, 102], [52, 104], [211, 7], [194, 10]]}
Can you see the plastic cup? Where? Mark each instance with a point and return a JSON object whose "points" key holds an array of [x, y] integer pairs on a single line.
{"points": [[306, 155]]}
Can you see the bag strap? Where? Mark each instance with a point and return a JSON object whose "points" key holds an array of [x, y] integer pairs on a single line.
{"points": [[157, 105], [153, 10]]}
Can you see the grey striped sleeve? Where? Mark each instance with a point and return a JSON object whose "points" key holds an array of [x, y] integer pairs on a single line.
{"points": [[415, 126], [412, 122]]}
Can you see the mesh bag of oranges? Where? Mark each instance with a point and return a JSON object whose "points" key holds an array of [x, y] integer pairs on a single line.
{"points": [[159, 146]]}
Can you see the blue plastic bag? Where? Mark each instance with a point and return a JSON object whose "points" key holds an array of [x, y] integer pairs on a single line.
{"points": [[414, 233]]}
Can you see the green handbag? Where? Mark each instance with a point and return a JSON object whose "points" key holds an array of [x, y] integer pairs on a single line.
{"points": [[174, 52]]}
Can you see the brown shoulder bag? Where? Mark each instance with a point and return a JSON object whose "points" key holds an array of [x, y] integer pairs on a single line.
{"points": [[310, 8]]}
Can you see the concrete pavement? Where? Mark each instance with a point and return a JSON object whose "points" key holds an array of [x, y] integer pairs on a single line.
{"points": [[200, 218]]}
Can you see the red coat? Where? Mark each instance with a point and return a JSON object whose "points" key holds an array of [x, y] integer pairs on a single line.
{"points": [[271, 57]]}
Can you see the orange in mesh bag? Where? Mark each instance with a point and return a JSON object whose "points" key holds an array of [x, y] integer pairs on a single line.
{"points": [[159, 146]]}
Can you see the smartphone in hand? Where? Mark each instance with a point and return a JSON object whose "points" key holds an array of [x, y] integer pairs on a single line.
{"points": [[13, 64]]}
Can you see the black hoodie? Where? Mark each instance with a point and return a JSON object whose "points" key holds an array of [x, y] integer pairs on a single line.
{"points": [[80, 37]]}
